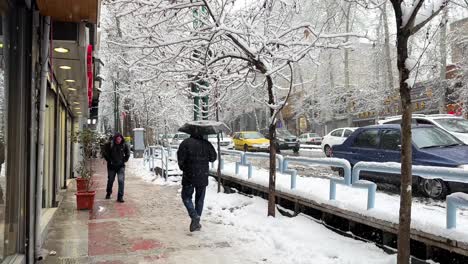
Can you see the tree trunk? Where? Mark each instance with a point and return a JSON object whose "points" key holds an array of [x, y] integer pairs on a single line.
{"points": [[404, 227], [443, 61], [388, 55], [257, 125], [272, 136], [346, 69]]}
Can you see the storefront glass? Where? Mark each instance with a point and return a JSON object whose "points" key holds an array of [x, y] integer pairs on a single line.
{"points": [[3, 126]]}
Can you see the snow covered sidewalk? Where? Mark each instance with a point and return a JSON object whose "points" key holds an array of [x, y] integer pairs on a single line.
{"points": [[237, 230]]}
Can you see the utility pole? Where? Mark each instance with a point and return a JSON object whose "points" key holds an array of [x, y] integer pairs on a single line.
{"points": [[219, 141], [116, 109], [196, 100], [443, 62], [198, 15]]}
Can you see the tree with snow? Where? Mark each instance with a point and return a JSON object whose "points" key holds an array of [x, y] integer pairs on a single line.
{"points": [[410, 16], [216, 44]]}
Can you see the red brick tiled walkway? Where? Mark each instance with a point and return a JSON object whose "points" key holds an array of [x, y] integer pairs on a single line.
{"points": [[150, 227]]}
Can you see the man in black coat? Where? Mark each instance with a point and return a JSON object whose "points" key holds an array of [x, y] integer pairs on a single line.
{"points": [[116, 153], [194, 155]]}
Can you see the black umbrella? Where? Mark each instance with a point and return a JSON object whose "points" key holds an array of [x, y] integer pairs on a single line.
{"points": [[203, 127]]}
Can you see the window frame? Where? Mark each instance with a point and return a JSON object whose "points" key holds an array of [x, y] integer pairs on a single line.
{"points": [[336, 130], [381, 134], [364, 131]]}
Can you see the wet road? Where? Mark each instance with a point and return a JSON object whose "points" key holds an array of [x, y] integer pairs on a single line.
{"points": [[305, 152]]}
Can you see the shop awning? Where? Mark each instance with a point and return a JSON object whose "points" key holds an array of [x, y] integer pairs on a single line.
{"points": [[71, 10]]}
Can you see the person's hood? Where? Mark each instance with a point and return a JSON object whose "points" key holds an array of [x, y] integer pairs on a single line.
{"points": [[197, 136], [118, 135]]}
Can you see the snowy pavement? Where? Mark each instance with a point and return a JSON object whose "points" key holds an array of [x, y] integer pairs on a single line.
{"points": [[240, 224]]}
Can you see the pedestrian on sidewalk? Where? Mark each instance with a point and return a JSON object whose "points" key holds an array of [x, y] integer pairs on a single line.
{"points": [[193, 156], [116, 153]]}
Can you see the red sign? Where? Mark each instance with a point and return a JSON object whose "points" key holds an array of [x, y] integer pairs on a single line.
{"points": [[89, 64]]}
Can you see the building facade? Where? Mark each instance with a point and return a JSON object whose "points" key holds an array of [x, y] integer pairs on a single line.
{"points": [[48, 90]]}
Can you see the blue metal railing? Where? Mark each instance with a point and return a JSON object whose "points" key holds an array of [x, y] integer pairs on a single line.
{"points": [[428, 172], [351, 175], [158, 152]]}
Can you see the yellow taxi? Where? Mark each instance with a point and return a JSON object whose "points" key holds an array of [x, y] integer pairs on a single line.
{"points": [[250, 140]]}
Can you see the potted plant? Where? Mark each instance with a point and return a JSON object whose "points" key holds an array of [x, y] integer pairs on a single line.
{"points": [[89, 144], [82, 180]]}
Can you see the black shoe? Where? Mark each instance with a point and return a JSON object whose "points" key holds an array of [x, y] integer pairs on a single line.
{"points": [[120, 200], [195, 225], [108, 196]]}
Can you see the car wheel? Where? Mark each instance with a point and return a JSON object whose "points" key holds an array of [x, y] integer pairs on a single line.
{"points": [[433, 188], [327, 150], [277, 148], [246, 148], [296, 150]]}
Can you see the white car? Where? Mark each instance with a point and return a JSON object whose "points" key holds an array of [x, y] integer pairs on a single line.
{"points": [[457, 126], [310, 138], [178, 138], [225, 141], [335, 137]]}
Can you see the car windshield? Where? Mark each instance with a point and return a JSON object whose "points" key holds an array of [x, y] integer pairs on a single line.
{"points": [[457, 125], [284, 133], [252, 135], [313, 135], [222, 135], [432, 137], [183, 136]]}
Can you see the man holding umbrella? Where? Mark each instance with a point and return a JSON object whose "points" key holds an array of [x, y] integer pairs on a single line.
{"points": [[194, 155]]}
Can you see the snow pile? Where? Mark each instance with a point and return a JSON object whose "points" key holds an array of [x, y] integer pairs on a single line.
{"points": [[410, 82], [427, 217], [282, 239], [410, 63], [427, 9]]}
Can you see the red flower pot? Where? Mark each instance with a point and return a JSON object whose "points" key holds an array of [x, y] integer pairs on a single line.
{"points": [[81, 184], [85, 200]]}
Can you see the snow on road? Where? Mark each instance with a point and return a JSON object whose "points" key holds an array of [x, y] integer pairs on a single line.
{"points": [[242, 221]]}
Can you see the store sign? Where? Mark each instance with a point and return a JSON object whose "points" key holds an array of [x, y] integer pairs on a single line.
{"points": [[302, 123], [89, 64]]}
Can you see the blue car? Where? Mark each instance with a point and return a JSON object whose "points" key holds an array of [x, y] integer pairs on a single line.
{"points": [[432, 146]]}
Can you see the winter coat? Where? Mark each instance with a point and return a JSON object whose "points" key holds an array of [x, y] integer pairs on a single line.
{"points": [[193, 156], [2, 152], [116, 154]]}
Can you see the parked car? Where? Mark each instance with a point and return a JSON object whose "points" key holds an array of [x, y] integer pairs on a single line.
{"points": [[310, 138], [250, 140], [335, 137], [178, 138], [224, 140], [432, 146], [285, 140], [165, 140], [455, 125]]}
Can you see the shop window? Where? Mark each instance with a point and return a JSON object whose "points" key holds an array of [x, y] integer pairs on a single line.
{"points": [[3, 126]]}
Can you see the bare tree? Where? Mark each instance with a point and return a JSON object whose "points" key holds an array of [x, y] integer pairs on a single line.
{"points": [[410, 17]]}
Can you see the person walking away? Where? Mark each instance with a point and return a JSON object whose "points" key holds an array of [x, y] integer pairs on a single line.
{"points": [[193, 156], [116, 153]]}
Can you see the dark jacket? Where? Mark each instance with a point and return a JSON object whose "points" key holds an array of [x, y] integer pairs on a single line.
{"points": [[116, 154], [193, 156]]}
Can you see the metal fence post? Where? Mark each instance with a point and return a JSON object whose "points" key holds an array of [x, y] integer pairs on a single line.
{"points": [[451, 214]]}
